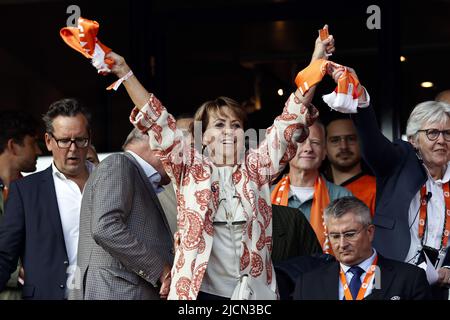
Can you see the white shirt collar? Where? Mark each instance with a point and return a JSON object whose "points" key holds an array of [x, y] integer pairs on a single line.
{"points": [[58, 174], [151, 173], [365, 265], [445, 177]]}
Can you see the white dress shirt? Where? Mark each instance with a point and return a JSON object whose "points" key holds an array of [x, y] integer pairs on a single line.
{"points": [[68, 196], [365, 265], [435, 216], [153, 176]]}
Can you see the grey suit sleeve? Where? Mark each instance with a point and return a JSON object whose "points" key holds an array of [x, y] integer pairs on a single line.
{"points": [[112, 200]]}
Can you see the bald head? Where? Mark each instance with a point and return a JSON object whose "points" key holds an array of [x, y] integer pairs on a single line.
{"points": [[444, 96]]}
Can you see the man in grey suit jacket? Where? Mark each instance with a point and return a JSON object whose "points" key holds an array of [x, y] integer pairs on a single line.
{"points": [[125, 245]]}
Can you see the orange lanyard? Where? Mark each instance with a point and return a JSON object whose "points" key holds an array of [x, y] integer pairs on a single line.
{"points": [[423, 214], [364, 285]]}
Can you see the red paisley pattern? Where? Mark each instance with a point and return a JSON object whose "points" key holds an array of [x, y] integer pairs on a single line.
{"points": [[199, 172], [262, 237], [265, 210], [291, 150], [193, 233], [182, 287], [198, 277], [289, 132], [180, 261], [157, 107], [172, 123], [157, 132], [209, 229], [201, 245], [257, 265], [237, 176], [203, 197], [259, 167], [215, 193], [245, 258], [196, 184]]}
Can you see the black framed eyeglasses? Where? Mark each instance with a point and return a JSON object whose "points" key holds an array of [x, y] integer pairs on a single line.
{"points": [[65, 143], [433, 134]]}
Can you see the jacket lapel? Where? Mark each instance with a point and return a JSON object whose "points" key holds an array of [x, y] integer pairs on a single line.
{"points": [[49, 204], [150, 189], [385, 279]]}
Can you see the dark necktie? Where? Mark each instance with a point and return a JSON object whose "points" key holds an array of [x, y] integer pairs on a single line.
{"points": [[355, 283]]}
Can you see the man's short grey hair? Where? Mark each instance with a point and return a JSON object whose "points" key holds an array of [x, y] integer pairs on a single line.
{"points": [[344, 205], [426, 112], [134, 136]]}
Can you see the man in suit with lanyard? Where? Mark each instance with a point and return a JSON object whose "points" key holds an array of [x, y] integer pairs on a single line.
{"points": [[359, 272]]}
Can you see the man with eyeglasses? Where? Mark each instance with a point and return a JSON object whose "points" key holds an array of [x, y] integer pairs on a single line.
{"points": [[42, 214], [344, 156], [359, 271], [412, 214]]}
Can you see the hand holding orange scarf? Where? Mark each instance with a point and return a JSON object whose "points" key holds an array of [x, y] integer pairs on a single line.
{"points": [[346, 95], [84, 40]]}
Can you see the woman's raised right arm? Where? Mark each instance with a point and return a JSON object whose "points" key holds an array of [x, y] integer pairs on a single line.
{"points": [[151, 117], [138, 94]]}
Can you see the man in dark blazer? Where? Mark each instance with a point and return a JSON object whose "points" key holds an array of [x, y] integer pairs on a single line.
{"points": [[125, 247], [19, 151], [40, 224], [359, 272]]}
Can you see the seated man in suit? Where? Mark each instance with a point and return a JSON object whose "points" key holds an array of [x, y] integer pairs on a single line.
{"points": [[359, 272]]}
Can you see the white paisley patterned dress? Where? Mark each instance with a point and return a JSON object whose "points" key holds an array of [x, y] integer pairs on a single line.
{"points": [[195, 179]]}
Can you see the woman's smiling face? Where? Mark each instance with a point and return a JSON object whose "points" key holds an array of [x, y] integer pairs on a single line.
{"points": [[224, 136]]}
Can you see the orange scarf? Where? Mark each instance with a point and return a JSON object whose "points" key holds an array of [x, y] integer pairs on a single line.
{"points": [[344, 98], [321, 199], [84, 40]]}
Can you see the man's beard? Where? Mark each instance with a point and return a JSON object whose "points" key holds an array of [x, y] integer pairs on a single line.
{"points": [[348, 166]]}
